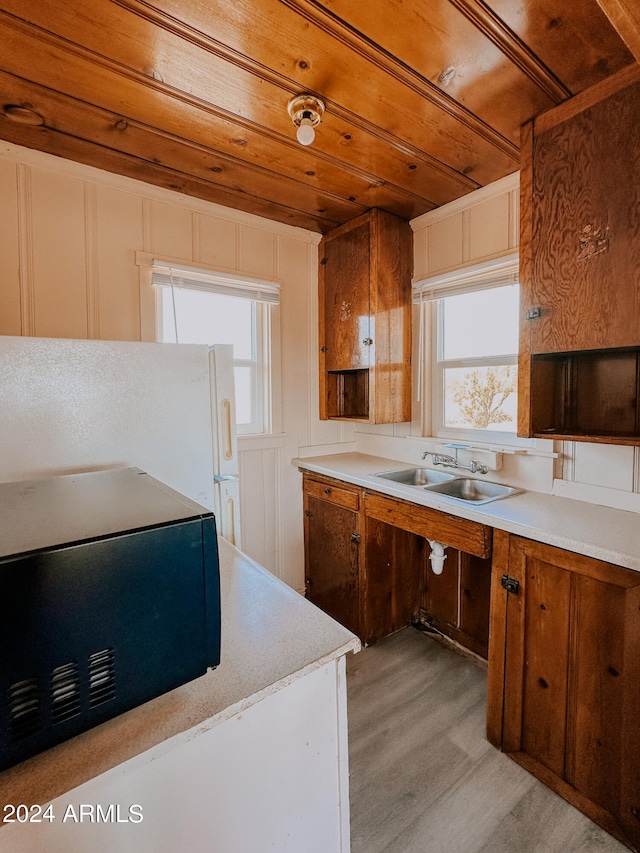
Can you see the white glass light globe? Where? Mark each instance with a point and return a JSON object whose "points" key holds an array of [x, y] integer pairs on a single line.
{"points": [[305, 134]]}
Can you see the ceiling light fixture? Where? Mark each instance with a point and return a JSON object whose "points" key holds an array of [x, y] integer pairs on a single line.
{"points": [[306, 113]]}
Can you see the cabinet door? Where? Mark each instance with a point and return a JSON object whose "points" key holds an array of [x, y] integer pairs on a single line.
{"points": [[346, 264], [585, 230], [568, 645], [332, 553]]}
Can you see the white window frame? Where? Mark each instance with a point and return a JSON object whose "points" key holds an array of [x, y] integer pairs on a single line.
{"points": [[428, 293], [264, 296], [440, 365]]}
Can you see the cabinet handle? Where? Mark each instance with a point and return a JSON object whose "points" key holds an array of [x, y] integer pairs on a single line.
{"points": [[327, 491], [323, 349], [355, 537], [367, 341]]}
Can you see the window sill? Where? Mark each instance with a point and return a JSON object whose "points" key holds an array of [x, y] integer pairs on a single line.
{"points": [[534, 447]]}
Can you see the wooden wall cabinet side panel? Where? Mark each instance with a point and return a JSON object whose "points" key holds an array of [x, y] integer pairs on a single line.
{"points": [[365, 320], [332, 565], [390, 380], [393, 574], [527, 296]]}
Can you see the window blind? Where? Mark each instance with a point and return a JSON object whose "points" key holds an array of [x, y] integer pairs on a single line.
{"points": [[478, 277], [224, 284]]}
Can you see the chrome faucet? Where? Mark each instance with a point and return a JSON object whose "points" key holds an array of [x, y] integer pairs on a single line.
{"points": [[452, 462]]}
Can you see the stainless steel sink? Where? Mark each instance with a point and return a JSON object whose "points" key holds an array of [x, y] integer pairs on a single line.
{"points": [[416, 476], [467, 490]]}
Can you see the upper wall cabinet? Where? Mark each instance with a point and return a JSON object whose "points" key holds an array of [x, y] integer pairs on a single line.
{"points": [[580, 267], [365, 320]]}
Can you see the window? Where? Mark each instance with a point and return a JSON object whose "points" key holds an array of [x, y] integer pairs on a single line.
{"points": [[476, 361], [199, 308], [474, 351]]}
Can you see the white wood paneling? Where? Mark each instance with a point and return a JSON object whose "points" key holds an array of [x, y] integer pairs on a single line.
{"points": [[258, 252], [216, 242], [118, 229], [9, 250], [59, 259], [479, 226], [489, 234], [171, 230]]}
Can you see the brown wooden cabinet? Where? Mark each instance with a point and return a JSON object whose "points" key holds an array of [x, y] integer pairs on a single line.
{"points": [[580, 267], [332, 549], [366, 564], [456, 602], [564, 677], [365, 320]]}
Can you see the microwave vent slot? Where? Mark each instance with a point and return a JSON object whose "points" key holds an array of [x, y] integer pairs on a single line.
{"points": [[102, 677], [25, 709], [65, 692]]}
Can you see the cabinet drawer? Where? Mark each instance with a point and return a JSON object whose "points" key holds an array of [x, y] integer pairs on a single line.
{"points": [[468, 536], [336, 493]]}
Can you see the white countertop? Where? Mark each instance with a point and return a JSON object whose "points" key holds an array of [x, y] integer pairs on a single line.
{"points": [[612, 535], [271, 636]]}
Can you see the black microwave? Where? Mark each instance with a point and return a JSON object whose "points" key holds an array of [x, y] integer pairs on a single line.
{"points": [[110, 596]]}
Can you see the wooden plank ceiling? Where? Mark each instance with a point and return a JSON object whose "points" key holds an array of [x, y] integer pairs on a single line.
{"points": [[424, 98]]}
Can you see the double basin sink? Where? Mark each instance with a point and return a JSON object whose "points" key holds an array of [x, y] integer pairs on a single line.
{"points": [[464, 489]]}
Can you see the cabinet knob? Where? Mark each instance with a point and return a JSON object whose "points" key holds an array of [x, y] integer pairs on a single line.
{"points": [[323, 349], [367, 341], [355, 537], [327, 491]]}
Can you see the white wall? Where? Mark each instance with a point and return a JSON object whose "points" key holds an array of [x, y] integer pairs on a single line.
{"points": [[68, 245]]}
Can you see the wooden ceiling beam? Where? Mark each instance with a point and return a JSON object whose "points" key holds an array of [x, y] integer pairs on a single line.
{"points": [[625, 17], [482, 17]]}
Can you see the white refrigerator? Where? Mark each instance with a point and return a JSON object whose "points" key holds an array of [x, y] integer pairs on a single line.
{"points": [[75, 405], [226, 488]]}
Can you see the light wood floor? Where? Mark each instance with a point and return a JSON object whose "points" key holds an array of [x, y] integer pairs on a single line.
{"points": [[424, 779]]}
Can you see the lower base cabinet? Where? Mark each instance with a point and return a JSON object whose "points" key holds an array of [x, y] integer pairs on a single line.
{"points": [[367, 564], [564, 677], [332, 550]]}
